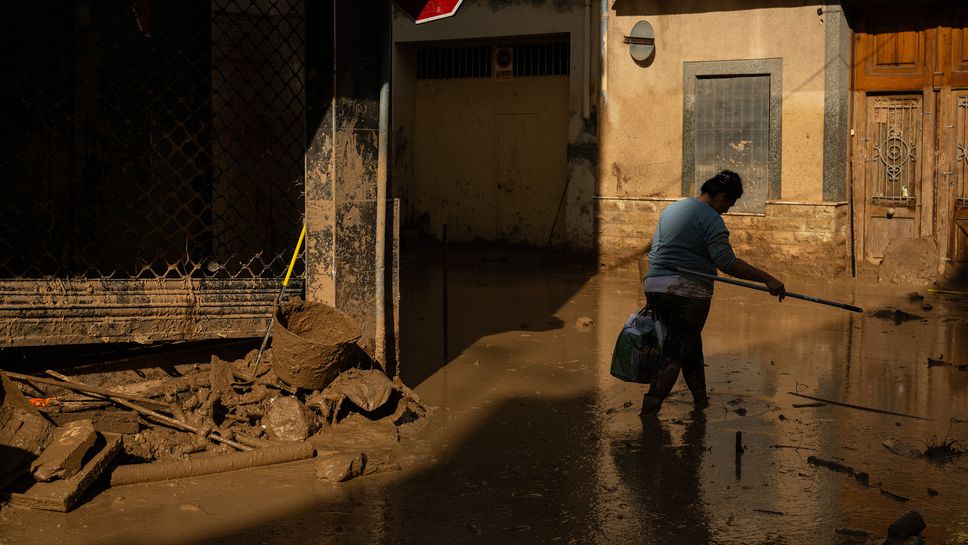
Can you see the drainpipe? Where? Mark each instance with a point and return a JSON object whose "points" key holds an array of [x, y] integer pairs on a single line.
{"points": [[380, 338], [586, 60], [603, 36]]}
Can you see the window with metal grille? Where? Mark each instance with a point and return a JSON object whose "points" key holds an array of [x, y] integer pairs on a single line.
{"points": [[732, 122], [549, 59], [454, 62], [733, 132], [528, 60]]}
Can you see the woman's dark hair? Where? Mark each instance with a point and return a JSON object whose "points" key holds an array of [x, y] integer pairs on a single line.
{"points": [[727, 182]]}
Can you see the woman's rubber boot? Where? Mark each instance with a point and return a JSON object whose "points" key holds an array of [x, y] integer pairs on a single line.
{"points": [[650, 406]]}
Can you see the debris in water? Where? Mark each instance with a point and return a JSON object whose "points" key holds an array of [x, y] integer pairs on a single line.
{"points": [[927, 306], [901, 449], [893, 496], [915, 296], [944, 450], [910, 524], [852, 532], [340, 467], [768, 512], [861, 476], [939, 362], [584, 323], [932, 492], [898, 315], [808, 405]]}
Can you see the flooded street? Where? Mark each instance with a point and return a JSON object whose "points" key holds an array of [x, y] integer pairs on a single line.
{"points": [[532, 441]]}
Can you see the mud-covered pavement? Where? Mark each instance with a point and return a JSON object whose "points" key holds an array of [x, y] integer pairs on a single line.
{"points": [[532, 441]]}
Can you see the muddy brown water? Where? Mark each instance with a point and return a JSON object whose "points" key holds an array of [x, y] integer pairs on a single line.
{"points": [[531, 440]]}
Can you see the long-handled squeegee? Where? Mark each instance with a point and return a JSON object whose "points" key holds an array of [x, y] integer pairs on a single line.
{"points": [[759, 287]]}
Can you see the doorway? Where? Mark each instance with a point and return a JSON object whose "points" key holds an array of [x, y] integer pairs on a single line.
{"points": [[491, 141], [911, 118]]}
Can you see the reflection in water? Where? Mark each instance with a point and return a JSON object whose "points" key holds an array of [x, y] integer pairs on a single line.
{"points": [[663, 479]]}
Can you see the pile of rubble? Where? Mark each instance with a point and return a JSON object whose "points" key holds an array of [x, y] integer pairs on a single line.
{"points": [[59, 434]]}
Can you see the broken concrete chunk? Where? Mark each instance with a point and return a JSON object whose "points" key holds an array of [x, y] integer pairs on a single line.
{"points": [[340, 467], [584, 323], [63, 457], [287, 420], [368, 390]]}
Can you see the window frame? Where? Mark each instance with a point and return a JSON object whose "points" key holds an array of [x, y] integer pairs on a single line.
{"points": [[692, 71]]}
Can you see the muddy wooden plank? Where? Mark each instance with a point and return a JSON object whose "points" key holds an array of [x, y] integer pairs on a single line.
{"points": [[62, 495]]}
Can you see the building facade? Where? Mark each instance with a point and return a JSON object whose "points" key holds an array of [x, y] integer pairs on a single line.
{"points": [[844, 119]]}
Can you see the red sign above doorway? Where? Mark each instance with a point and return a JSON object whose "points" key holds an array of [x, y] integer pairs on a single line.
{"points": [[422, 11]]}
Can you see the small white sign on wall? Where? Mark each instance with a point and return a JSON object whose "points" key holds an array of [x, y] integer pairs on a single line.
{"points": [[503, 63]]}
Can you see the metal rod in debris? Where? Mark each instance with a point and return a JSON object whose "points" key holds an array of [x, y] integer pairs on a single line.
{"points": [[278, 301], [759, 287], [444, 296]]}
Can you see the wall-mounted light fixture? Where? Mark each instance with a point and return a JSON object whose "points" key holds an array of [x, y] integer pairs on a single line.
{"points": [[641, 41]]}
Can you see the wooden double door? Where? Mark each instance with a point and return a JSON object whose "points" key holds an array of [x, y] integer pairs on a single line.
{"points": [[910, 119]]}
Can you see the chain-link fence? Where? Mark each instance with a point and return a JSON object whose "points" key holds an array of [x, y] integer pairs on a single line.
{"points": [[151, 138]]}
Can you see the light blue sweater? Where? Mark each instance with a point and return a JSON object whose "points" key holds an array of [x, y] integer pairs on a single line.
{"points": [[693, 236]]}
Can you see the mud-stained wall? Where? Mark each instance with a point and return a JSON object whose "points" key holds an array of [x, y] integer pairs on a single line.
{"points": [[642, 121], [490, 157], [341, 163], [480, 20], [642, 124]]}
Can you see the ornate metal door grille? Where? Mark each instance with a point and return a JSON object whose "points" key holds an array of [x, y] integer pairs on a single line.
{"points": [[152, 158], [895, 130], [961, 150]]}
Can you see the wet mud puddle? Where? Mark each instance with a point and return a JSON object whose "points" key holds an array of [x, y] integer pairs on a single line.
{"points": [[532, 441]]}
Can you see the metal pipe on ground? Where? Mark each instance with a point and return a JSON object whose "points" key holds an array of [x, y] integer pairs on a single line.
{"points": [[444, 287], [164, 471]]}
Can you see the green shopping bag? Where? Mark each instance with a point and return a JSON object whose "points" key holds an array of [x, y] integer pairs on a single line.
{"points": [[638, 348]]}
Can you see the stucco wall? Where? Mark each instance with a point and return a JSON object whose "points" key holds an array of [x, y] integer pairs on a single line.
{"points": [[641, 134], [642, 131]]}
